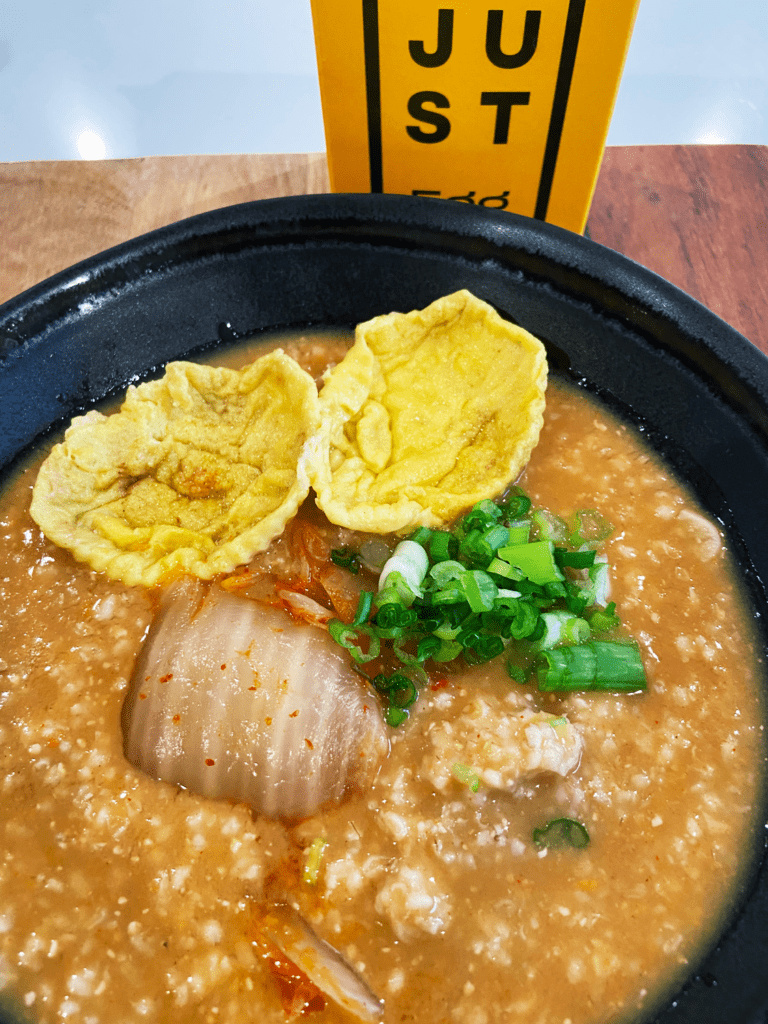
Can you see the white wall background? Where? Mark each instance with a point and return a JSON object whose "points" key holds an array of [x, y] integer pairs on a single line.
{"points": [[95, 78]]}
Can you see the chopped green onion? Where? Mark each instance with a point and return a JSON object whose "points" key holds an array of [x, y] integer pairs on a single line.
{"points": [[403, 696], [480, 590], [525, 621], [348, 636], [363, 608], [496, 537], [396, 590], [428, 647], [488, 587], [548, 526], [463, 773], [588, 526], [314, 854], [346, 558], [410, 562], [575, 601], [598, 585], [395, 716], [469, 636], [501, 568], [411, 660], [604, 618], [442, 546], [393, 595], [393, 619], [574, 559], [596, 665], [483, 649], [516, 672], [516, 504], [384, 683], [561, 832], [480, 517], [444, 572], [536, 561], [400, 693], [576, 630], [519, 531], [475, 549], [447, 630], [449, 650], [421, 535], [563, 627], [451, 595]]}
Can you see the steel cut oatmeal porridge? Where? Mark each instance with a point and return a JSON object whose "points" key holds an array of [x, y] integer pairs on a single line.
{"points": [[124, 898]]}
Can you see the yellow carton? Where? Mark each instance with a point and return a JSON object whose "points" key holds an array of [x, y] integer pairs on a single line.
{"points": [[507, 108]]}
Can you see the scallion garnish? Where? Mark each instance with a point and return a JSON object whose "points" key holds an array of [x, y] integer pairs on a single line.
{"points": [[409, 564], [484, 587], [515, 505], [463, 773], [574, 559], [349, 637], [363, 608], [563, 627], [560, 832], [399, 692], [535, 561], [548, 526], [484, 648], [596, 588], [588, 526], [519, 531], [516, 672], [314, 855], [604, 618], [596, 665], [442, 546], [346, 558], [421, 535], [395, 716], [481, 516]]}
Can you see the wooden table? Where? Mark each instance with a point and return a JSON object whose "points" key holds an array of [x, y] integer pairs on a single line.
{"points": [[697, 215]]}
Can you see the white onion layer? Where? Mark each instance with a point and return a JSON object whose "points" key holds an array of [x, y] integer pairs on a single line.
{"points": [[322, 963], [235, 699]]}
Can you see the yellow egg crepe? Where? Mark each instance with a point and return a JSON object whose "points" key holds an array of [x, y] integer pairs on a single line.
{"points": [[196, 473], [428, 412]]}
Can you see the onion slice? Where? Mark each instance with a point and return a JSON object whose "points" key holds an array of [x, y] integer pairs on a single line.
{"points": [[322, 963], [234, 699]]}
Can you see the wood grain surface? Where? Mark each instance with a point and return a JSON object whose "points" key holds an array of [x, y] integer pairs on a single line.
{"points": [[54, 214], [697, 215]]}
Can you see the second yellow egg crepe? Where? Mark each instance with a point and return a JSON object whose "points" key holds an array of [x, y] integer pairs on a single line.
{"points": [[428, 412]]}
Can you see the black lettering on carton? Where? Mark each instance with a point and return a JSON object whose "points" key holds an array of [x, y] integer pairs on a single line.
{"points": [[500, 202], [440, 122], [425, 192], [468, 198], [527, 48], [503, 101], [444, 42]]}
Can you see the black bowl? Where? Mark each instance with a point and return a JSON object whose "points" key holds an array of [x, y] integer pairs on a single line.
{"points": [[696, 387]]}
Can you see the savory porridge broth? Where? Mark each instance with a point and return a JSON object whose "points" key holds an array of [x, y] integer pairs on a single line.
{"points": [[124, 899]]}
